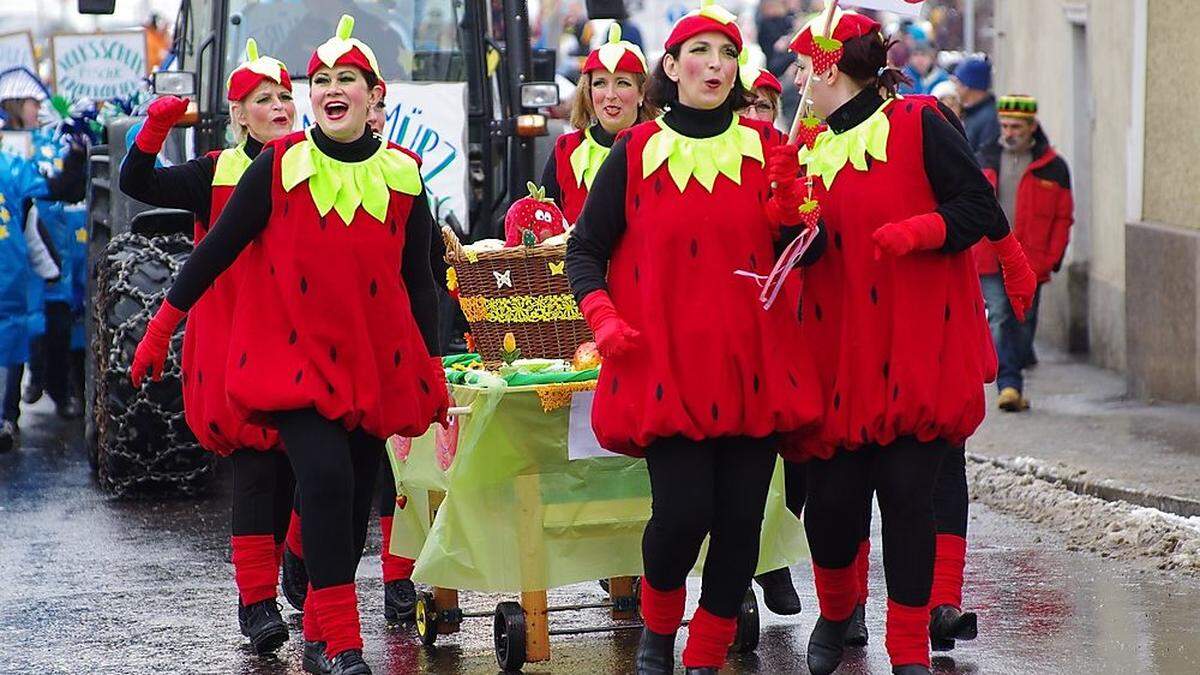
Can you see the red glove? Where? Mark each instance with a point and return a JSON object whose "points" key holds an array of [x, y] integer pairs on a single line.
{"points": [[925, 232], [151, 352], [163, 113], [783, 171], [614, 337], [1020, 283]]}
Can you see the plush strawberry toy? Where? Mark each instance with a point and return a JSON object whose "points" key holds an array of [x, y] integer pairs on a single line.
{"points": [[535, 214]]}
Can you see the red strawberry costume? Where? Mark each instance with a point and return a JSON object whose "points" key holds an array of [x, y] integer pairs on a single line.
{"points": [[895, 312], [698, 378], [262, 481]]}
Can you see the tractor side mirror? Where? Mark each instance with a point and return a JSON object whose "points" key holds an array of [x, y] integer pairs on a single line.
{"points": [[97, 6], [607, 9], [173, 82]]}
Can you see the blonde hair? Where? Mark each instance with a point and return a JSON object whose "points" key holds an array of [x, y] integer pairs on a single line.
{"points": [[239, 131], [582, 113]]}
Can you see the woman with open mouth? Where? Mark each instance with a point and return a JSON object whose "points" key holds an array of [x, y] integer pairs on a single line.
{"points": [[334, 324], [698, 378], [261, 108], [611, 97]]}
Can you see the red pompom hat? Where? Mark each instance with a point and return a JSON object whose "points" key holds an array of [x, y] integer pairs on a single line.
{"points": [[845, 26], [711, 17], [253, 71], [343, 50], [616, 54]]}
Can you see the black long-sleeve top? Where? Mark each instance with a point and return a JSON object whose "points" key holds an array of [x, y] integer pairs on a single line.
{"points": [[602, 222], [550, 171], [187, 186], [966, 200], [249, 208]]}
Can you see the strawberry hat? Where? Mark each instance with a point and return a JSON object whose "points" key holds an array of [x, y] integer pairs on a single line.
{"points": [[343, 50], [711, 17], [253, 71], [616, 54], [827, 51]]}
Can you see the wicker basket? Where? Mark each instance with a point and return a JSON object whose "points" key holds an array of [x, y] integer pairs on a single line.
{"points": [[523, 291]]}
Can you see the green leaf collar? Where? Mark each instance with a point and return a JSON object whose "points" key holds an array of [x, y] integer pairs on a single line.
{"points": [[830, 152], [702, 158], [231, 164], [587, 158]]}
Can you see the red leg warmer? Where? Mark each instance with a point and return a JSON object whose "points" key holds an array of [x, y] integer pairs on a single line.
{"points": [[293, 536], [310, 626], [948, 571], [863, 565], [662, 611], [907, 634], [337, 613], [709, 637], [254, 567], [395, 567], [837, 591]]}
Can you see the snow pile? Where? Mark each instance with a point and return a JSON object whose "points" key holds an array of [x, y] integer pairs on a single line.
{"points": [[1111, 529]]}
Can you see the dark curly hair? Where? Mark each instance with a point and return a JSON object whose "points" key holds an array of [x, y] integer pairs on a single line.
{"points": [[865, 60]]}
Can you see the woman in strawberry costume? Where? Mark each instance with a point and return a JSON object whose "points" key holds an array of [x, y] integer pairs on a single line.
{"points": [[766, 92], [334, 321], [895, 314], [609, 99], [698, 378], [260, 96]]}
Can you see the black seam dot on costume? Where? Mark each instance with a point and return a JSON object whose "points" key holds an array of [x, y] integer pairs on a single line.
{"points": [[285, 207], [323, 222], [895, 392], [715, 412], [800, 311], [272, 270], [658, 392], [658, 186], [374, 288], [792, 379], [874, 296], [333, 354], [947, 313], [817, 311], [756, 384], [837, 240], [329, 388], [396, 358], [614, 387], [837, 400], [695, 248], [637, 274], [637, 202], [293, 337], [424, 386], [299, 375], [753, 262], [303, 285], [242, 361], [886, 367], [393, 229], [200, 376], [908, 108], [212, 426]]}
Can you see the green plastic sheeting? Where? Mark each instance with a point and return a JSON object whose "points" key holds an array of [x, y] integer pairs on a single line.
{"points": [[519, 516]]}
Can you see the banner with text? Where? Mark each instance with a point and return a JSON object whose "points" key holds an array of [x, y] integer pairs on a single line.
{"points": [[16, 49], [99, 65], [429, 119]]}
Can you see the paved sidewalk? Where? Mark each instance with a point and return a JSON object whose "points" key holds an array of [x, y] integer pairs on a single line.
{"points": [[1083, 430]]}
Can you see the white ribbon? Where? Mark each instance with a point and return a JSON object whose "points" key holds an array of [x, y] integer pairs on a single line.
{"points": [[772, 284]]}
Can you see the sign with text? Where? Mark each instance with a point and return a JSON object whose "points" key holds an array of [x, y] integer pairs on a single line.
{"points": [[99, 65], [429, 119], [16, 49]]}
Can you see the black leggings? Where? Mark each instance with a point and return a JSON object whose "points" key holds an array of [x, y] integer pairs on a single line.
{"points": [[387, 489], [950, 494], [902, 476], [335, 475], [718, 487], [262, 493]]}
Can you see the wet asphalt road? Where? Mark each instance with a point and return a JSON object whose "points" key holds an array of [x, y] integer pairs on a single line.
{"points": [[93, 585]]}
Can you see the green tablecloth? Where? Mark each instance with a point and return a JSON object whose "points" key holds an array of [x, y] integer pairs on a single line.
{"points": [[518, 515]]}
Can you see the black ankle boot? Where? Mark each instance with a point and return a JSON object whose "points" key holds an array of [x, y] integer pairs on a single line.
{"points": [[912, 669], [315, 661], [778, 592], [856, 632], [399, 600], [655, 653], [826, 646], [295, 579], [262, 623], [349, 662], [947, 623]]}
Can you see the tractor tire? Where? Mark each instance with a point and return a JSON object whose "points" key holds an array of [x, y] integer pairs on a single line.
{"points": [[143, 445]]}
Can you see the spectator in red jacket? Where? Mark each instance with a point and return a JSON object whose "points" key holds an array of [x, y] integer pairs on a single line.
{"points": [[1034, 188]]}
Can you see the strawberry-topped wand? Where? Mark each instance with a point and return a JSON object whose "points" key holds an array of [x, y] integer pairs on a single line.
{"points": [[830, 9]]}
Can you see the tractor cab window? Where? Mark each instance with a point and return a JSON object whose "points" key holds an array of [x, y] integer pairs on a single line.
{"points": [[414, 40]]}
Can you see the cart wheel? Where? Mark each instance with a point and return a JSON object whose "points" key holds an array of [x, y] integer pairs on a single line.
{"points": [[426, 618], [508, 627], [746, 638]]}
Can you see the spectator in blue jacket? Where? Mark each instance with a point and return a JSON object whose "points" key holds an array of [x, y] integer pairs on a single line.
{"points": [[974, 79]]}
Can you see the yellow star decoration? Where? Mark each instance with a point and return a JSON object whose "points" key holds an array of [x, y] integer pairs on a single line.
{"points": [[3, 232], [81, 235]]}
